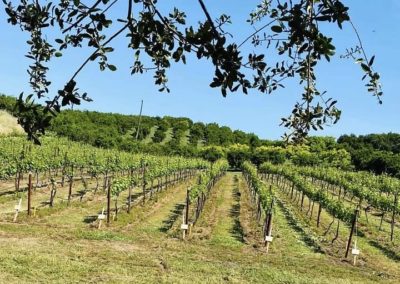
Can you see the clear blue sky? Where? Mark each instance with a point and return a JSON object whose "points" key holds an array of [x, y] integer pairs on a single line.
{"points": [[191, 97]]}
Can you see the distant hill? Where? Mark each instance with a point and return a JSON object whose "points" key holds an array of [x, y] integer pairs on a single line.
{"points": [[129, 132], [108, 129]]}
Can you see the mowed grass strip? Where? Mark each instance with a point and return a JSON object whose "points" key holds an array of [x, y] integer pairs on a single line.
{"points": [[134, 250]]}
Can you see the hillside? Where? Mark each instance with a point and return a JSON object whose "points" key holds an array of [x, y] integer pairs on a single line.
{"points": [[378, 153], [9, 124], [105, 130], [134, 133]]}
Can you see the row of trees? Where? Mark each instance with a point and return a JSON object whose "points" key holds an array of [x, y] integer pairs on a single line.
{"points": [[379, 153], [89, 126], [110, 130]]}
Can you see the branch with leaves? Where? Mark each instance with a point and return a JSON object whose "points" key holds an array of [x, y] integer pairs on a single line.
{"points": [[291, 28]]}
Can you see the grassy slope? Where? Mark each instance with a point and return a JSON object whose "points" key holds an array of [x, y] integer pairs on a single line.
{"points": [[149, 138], [8, 124], [144, 247], [168, 136], [185, 138]]}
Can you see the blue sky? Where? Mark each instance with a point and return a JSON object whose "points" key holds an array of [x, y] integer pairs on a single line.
{"points": [[191, 95]]}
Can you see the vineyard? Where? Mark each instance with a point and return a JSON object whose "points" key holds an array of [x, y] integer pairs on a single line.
{"points": [[70, 212]]}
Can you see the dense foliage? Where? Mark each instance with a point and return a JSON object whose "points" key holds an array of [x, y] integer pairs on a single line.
{"points": [[378, 191], [112, 130], [207, 178], [379, 153], [335, 207], [265, 194], [18, 156]]}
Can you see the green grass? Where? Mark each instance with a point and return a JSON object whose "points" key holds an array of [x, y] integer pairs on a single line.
{"points": [[9, 124], [168, 136], [185, 138], [145, 246], [149, 137]]}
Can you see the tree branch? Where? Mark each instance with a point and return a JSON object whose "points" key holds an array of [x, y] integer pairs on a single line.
{"points": [[204, 8], [256, 32], [81, 19]]}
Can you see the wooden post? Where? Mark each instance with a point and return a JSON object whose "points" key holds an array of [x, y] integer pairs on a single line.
{"points": [[18, 180], [198, 208], [108, 201], [353, 226], [144, 183], [393, 217], [258, 208], [268, 229], [187, 207], [70, 189], [266, 225], [129, 199], [312, 209], [319, 215], [185, 217], [29, 193], [269, 232]]}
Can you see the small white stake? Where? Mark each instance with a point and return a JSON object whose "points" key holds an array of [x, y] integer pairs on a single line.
{"points": [[183, 226], [268, 240], [355, 252], [101, 217], [17, 209]]}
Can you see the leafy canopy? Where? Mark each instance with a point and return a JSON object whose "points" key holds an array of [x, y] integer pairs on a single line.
{"points": [[289, 27]]}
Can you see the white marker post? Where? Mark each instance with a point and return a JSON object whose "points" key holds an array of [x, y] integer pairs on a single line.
{"points": [[355, 252], [17, 209], [185, 216], [268, 241], [268, 227], [101, 217], [184, 227]]}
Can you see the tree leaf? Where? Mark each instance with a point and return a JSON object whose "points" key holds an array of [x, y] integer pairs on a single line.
{"points": [[277, 29]]}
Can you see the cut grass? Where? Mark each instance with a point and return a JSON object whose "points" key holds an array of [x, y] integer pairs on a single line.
{"points": [[137, 247]]}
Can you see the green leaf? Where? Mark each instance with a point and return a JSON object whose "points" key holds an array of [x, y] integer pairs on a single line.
{"points": [[365, 67], [112, 67], [277, 29], [371, 61]]}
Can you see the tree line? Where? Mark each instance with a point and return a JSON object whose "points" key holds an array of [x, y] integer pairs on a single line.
{"points": [[378, 153]]}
